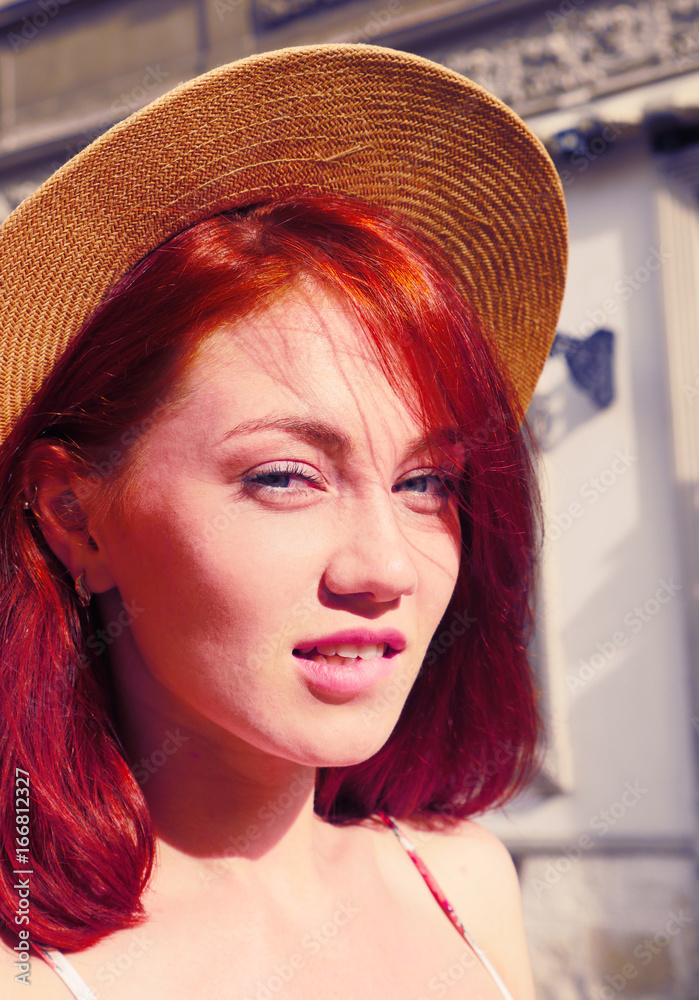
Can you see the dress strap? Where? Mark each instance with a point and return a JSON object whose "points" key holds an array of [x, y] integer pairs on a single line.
{"points": [[443, 901], [60, 964]]}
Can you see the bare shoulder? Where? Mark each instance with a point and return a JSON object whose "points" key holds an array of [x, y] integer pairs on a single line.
{"points": [[477, 874], [37, 983], [468, 849]]}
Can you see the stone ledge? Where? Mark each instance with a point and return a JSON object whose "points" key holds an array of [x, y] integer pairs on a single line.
{"points": [[600, 926]]}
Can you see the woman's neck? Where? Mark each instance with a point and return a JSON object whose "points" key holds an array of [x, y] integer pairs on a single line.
{"points": [[216, 801]]}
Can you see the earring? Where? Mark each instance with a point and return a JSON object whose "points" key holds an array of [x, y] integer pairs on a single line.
{"points": [[29, 504], [84, 595]]}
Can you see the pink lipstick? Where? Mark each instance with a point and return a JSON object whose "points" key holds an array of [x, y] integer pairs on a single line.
{"points": [[357, 637], [329, 667]]}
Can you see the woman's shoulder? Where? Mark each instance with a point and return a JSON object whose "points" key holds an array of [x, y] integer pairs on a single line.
{"points": [[468, 847], [464, 849], [471, 860], [478, 876]]}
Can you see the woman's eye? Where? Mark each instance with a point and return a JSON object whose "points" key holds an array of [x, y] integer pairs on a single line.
{"points": [[439, 484], [277, 479]]}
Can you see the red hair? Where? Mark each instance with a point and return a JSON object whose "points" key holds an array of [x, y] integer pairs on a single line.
{"points": [[469, 735]]}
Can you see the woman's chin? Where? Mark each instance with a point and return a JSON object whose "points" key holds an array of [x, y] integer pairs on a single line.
{"points": [[340, 750]]}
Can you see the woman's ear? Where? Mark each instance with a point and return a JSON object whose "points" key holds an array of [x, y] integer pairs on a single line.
{"points": [[52, 490]]}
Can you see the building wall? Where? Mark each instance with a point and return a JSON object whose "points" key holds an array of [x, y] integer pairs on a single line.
{"points": [[609, 863]]}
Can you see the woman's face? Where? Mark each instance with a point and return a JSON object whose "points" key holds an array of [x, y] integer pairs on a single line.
{"points": [[281, 500]]}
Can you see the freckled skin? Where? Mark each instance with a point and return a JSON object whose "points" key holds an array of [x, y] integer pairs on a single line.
{"points": [[227, 574], [230, 548]]}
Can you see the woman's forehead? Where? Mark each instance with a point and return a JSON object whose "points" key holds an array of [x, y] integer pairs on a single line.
{"points": [[306, 348], [303, 359], [300, 321], [267, 393], [293, 370]]}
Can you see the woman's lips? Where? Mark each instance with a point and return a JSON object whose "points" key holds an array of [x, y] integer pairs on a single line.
{"points": [[354, 636], [339, 652], [343, 676]]}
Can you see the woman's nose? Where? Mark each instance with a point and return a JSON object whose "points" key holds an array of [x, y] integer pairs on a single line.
{"points": [[371, 557]]}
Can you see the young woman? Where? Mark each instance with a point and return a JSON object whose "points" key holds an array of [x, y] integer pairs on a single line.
{"points": [[268, 532]]}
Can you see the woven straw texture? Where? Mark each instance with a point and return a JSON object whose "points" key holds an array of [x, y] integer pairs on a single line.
{"points": [[394, 128]]}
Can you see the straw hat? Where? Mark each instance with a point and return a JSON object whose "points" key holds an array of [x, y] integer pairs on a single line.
{"points": [[393, 128]]}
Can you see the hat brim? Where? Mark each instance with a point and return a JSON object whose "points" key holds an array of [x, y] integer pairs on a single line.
{"points": [[385, 125]]}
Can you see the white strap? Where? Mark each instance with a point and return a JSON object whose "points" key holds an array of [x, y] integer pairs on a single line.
{"points": [[407, 843], [60, 964]]}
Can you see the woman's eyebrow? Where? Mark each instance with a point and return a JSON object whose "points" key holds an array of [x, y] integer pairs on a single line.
{"points": [[335, 441], [331, 439], [445, 439]]}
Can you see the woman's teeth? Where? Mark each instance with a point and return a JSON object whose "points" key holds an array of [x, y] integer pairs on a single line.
{"points": [[344, 653]]}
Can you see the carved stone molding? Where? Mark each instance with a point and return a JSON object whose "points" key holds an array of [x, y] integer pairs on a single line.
{"points": [[575, 51], [268, 13]]}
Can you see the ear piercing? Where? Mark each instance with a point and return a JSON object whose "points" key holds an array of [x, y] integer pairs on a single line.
{"points": [[29, 504], [84, 595], [81, 588]]}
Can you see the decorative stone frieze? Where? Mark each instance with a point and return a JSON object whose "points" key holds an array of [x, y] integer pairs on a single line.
{"points": [[576, 50], [271, 12]]}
